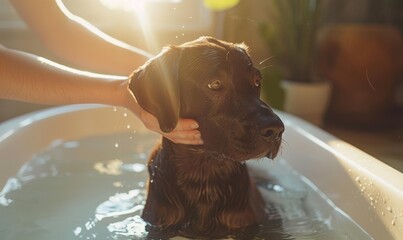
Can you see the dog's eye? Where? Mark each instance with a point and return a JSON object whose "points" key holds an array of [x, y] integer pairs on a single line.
{"points": [[215, 85]]}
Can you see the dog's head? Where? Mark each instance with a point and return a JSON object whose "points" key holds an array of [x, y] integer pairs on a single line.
{"points": [[215, 83]]}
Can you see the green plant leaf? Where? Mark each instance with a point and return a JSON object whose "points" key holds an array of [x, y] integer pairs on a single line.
{"points": [[272, 92]]}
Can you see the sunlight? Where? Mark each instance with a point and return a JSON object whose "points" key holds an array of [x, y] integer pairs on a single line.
{"points": [[130, 5], [139, 8], [79, 72], [98, 32]]}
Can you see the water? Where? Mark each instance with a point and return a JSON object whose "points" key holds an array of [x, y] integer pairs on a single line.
{"points": [[94, 188]]}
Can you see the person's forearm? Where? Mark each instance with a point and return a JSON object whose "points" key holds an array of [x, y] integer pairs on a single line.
{"points": [[76, 42], [29, 78], [26, 77]]}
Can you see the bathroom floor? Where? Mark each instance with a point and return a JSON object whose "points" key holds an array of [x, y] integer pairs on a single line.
{"points": [[385, 144]]}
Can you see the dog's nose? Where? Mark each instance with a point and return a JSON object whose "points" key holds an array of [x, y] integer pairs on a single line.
{"points": [[272, 129]]}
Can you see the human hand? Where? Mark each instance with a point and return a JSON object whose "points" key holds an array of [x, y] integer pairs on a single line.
{"points": [[185, 131]]}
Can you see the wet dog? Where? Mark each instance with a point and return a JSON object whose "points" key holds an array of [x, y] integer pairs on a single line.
{"points": [[205, 191]]}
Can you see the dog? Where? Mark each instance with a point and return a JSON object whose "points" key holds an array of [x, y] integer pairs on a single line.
{"points": [[205, 191]]}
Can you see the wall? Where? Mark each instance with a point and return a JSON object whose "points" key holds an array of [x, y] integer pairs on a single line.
{"points": [[175, 25]]}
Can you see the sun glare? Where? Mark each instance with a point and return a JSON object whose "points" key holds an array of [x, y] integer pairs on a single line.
{"points": [[139, 8], [98, 32], [79, 72], [130, 5]]}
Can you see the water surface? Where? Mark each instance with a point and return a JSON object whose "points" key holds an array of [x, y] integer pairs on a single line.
{"points": [[94, 188]]}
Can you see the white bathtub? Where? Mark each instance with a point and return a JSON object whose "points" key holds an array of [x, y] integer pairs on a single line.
{"points": [[367, 190]]}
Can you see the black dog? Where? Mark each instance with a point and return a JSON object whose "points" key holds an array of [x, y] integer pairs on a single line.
{"points": [[205, 191]]}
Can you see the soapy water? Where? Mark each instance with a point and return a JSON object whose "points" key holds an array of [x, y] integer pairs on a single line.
{"points": [[94, 189]]}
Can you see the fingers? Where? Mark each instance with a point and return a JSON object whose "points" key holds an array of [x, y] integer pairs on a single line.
{"points": [[185, 131], [192, 137], [186, 124]]}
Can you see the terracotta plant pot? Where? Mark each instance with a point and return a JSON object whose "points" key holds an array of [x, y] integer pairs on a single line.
{"points": [[363, 63]]}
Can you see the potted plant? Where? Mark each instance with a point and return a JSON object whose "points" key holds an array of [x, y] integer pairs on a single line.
{"points": [[290, 34], [363, 58]]}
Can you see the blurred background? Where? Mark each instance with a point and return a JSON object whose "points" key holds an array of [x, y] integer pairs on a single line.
{"points": [[336, 63]]}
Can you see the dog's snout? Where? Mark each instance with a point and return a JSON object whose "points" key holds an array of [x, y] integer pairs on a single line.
{"points": [[272, 133], [272, 128]]}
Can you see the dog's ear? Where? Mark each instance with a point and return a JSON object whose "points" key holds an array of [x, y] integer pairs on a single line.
{"points": [[156, 87]]}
